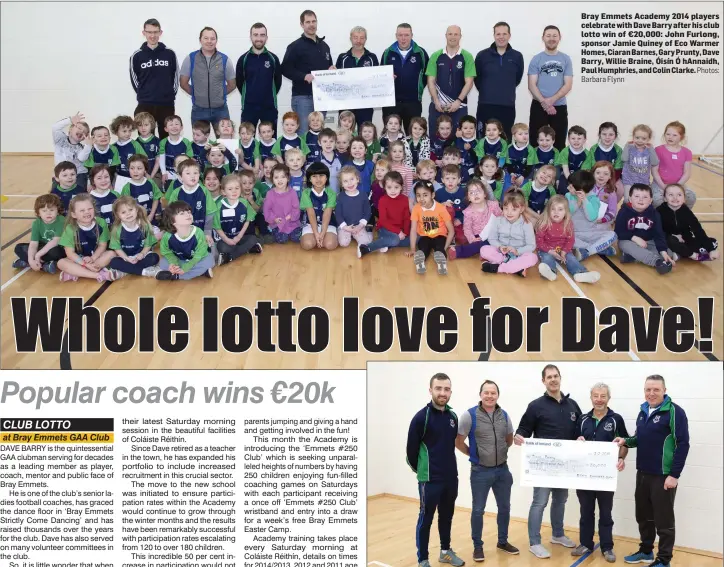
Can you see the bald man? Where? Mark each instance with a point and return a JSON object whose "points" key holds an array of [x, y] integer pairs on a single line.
{"points": [[450, 75]]}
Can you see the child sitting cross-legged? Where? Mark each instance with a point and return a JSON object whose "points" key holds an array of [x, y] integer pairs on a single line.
{"points": [[281, 207], [476, 217], [433, 229], [132, 238], [184, 250], [202, 204], [393, 224], [43, 251], [591, 236], [232, 222]]}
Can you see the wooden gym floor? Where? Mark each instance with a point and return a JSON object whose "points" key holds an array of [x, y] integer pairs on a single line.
{"points": [[283, 272], [391, 542]]}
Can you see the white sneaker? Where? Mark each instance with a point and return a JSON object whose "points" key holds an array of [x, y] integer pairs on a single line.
{"points": [[383, 250], [151, 271], [359, 252], [587, 277], [539, 551], [564, 540], [546, 272]]}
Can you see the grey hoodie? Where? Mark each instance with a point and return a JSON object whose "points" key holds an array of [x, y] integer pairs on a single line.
{"points": [[518, 234]]}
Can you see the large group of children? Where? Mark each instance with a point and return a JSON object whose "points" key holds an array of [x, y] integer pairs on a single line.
{"points": [[208, 202]]}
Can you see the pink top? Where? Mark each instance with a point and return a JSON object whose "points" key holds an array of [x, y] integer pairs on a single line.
{"points": [[671, 164], [611, 199], [407, 174], [279, 205], [475, 220]]}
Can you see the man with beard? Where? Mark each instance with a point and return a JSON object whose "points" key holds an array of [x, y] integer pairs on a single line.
{"points": [[552, 416], [431, 454], [259, 78], [550, 78]]}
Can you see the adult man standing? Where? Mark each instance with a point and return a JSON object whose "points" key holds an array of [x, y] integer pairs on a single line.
{"points": [[662, 442], [550, 78], [259, 78], [499, 70], [358, 56], [431, 454], [304, 55], [599, 424], [409, 62], [552, 416], [489, 432], [208, 76], [450, 75], [154, 75]]}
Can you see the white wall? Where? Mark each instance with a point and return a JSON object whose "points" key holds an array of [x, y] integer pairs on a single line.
{"points": [[397, 390], [58, 58]]}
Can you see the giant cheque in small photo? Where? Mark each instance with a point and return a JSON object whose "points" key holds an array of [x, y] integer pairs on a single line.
{"points": [[347, 89], [584, 465]]}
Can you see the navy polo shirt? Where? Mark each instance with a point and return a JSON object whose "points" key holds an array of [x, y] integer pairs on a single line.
{"points": [[450, 73]]}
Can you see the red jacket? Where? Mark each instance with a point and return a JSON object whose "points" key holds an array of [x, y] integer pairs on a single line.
{"points": [[394, 214], [553, 237]]}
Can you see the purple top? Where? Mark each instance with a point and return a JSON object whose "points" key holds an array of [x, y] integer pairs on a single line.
{"points": [[611, 199], [281, 205], [637, 164]]}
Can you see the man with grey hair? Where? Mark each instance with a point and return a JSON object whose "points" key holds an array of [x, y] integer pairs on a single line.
{"points": [[662, 442], [358, 56], [599, 424]]}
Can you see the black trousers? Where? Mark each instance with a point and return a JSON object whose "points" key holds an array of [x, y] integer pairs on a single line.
{"points": [[558, 121], [254, 113], [247, 242], [52, 255], [122, 265], [690, 245], [587, 523], [440, 496], [506, 115], [407, 110], [427, 245], [159, 112], [655, 514]]}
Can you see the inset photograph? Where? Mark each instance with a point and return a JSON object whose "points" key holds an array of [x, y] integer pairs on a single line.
{"points": [[511, 463]]}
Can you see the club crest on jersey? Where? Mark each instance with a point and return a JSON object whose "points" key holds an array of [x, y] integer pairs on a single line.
{"points": [[413, 59], [460, 64], [198, 205], [267, 64], [366, 64], [608, 427], [657, 418], [573, 416], [452, 423], [326, 55]]}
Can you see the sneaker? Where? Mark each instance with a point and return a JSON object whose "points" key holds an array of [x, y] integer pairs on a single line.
{"points": [[580, 550], [450, 557], [363, 250], [539, 551], [267, 239], [66, 277], [587, 277], [663, 267], [20, 264], [359, 252], [659, 563], [419, 259], [104, 276], [703, 257], [639, 557], [166, 275], [489, 268], [580, 254], [151, 271], [383, 250], [627, 258], [522, 273], [424, 563], [508, 548], [222, 259], [115, 274], [209, 273], [478, 554], [546, 272], [563, 540], [369, 228], [256, 249], [451, 253], [50, 267], [610, 251], [609, 556], [441, 262]]}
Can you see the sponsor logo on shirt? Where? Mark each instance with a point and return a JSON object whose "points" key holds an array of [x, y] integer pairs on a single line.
{"points": [[552, 68], [156, 63]]}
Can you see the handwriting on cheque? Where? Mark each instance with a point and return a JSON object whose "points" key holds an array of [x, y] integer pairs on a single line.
{"points": [[370, 89], [584, 466]]}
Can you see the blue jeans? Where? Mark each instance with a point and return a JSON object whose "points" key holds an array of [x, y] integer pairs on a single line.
{"points": [[387, 239], [213, 115], [482, 479], [572, 264], [303, 105], [537, 507]]}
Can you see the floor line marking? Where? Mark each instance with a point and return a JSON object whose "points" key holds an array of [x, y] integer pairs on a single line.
{"points": [[707, 169], [14, 240], [580, 293], [15, 277], [584, 557]]}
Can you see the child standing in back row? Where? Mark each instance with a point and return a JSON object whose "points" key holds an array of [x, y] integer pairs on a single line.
{"points": [[122, 127], [639, 159], [70, 147]]}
